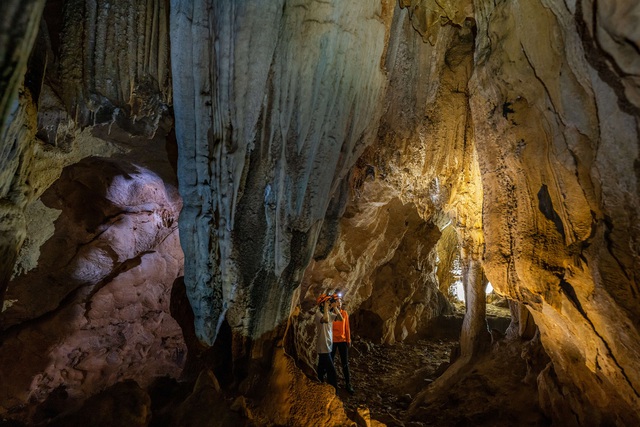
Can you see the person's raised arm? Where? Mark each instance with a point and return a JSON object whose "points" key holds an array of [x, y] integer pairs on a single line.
{"points": [[325, 314], [336, 311]]}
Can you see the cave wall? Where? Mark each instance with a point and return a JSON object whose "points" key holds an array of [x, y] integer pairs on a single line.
{"points": [[75, 77], [383, 262], [114, 62], [549, 98], [18, 29], [555, 114], [95, 308], [89, 203], [268, 127]]}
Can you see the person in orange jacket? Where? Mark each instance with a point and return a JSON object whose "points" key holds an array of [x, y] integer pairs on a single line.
{"points": [[342, 342]]}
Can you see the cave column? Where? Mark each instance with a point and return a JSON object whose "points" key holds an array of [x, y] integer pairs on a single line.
{"points": [[474, 335], [522, 323]]}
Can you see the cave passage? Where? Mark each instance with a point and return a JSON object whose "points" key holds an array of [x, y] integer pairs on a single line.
{"points": [[181, 179]]}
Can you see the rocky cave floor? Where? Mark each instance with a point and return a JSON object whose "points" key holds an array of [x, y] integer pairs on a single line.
{"points": [[494, 392], [387, 377]]}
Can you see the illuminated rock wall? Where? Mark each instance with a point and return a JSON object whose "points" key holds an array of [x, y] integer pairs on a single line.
{"points": [[18, 30], [524, 132], [555, 113], [268, 127]]}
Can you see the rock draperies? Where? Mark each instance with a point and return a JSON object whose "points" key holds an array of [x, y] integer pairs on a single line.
{"points": [[421, 171], [114, 62], [18, 29], [274, 102], [109, 62], [556, 123]]}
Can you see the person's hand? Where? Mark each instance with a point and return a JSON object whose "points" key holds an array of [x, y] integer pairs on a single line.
{"points": [[349, 344]]}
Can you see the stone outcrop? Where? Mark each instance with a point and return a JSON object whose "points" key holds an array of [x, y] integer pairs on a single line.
{"points": [[383, 262], [94, 309], [18, 29], [557, 138], [268, 128], [544, 129], [93, 258], [93, 62]]}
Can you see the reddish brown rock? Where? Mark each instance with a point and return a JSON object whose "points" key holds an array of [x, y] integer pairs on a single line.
{"points": [[96, 308]]}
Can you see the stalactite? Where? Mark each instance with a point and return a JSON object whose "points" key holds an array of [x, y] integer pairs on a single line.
{"points": [[317, 96], [116, 56]]}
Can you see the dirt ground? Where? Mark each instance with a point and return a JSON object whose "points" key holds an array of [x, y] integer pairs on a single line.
{"points": [[388, 378]]}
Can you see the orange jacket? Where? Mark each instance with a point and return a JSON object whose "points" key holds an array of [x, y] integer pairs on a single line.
{"points": [[341, 331]]}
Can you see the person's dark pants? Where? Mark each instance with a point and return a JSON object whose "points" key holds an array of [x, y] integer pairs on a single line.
{"points": [[343, 348], [326, 367]]}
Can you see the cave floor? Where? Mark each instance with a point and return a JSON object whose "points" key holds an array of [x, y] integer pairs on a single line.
{"points": [[492, 392], [387, 377]]}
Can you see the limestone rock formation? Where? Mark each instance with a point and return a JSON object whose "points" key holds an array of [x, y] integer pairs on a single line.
{"points": [[92, 313], [367, 145], [268, 128], [114, 62], [18, 29], [558, 146], [93, 256]]}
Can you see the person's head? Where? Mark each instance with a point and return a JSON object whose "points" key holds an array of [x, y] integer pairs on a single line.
{"points": [[325, 300], [338, 294]]}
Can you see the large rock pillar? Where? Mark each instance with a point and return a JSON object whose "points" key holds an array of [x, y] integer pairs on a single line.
{"points": [[274, 102], [474, 336]]}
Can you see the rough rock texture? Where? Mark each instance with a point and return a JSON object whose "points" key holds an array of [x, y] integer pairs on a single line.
{"points": [[513, 124], [383, 261], [556, 134], [426, 148], [94, 259], [18, 29], [268, 128], [421, 175], [495, 391], [114, 62], [293, 399], [557, 138], [95, 310], [81, 52]]}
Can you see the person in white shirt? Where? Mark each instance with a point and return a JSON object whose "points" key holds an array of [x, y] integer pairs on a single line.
{"points": [[327, 312]]}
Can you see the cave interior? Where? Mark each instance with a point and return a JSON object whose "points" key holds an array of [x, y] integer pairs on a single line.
{"points": [[180, 180]]}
